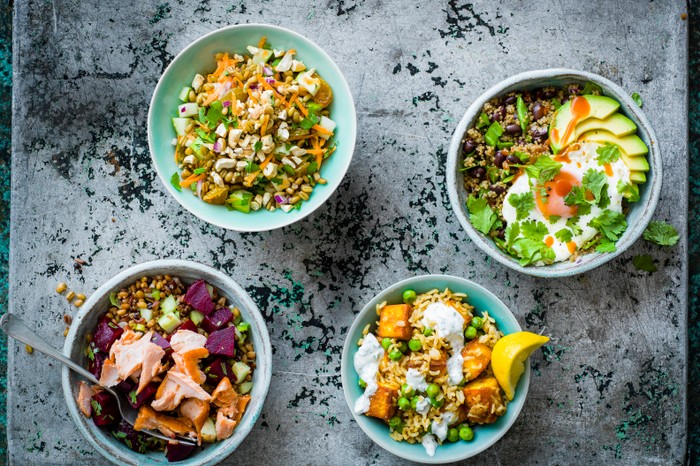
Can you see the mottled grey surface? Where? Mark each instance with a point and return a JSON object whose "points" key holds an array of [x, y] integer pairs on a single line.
{"points": [[610, 387]]}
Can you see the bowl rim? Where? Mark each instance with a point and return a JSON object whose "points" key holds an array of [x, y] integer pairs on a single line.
{"points": [[147, 268], [352, 137], [488, 246], [387, 443]]}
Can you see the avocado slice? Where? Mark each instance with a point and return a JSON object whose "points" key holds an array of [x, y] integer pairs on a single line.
{"points": [[638, 177], [635, 164], [631, 145], [599, 107], [617, 123]]}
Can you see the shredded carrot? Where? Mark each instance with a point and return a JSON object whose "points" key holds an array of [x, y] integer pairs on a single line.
{"points": [[266, 161], [250, 93], [250, 178], [321, 129], [303, 136], [300, 106], [314, 151], [222, 64], [263, 125], [269, 87], [192, 179], [261, 42], [238, 82]]}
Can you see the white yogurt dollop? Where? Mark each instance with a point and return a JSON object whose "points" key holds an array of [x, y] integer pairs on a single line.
{"points": [[448, 324], [430, 444], [416, 380], [439, 428], [366, 362], [423, 405]]}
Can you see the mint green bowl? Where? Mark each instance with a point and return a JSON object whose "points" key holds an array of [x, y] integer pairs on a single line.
{"points": [[199, 58], [378, 430]]}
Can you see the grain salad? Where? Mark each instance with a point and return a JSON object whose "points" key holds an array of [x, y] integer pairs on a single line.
{"points": [[254, 133], [425, 369], [180, 354]]}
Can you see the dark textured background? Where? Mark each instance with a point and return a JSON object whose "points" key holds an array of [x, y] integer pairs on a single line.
{"points": [[290, 293]]}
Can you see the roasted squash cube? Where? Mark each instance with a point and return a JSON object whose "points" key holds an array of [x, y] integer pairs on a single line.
{"points": [[476, 358], [484, 400], [382, 403], [393, 322]]}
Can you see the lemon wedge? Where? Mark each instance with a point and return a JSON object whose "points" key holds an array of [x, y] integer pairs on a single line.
{"points": [[509, 356]]}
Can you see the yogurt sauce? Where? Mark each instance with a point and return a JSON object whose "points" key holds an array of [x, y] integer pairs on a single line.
{"points": [[448, 323], [366, 363], [423, 405], [416, 380], [430, 444], [439, 428]]}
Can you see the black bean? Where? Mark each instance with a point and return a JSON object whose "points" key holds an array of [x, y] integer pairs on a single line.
{"points": [[539, 133], [513, 129], [469, 146], [498, 114], [477, 172], [499, 159], [574, 89], [512, 160], [544, 94], [538, 110], [498, 189], [510, 100]]}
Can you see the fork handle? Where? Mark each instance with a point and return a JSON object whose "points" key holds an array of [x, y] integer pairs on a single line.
{"points": [[14, 327]]}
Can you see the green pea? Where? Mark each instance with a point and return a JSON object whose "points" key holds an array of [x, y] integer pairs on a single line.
{"points": [[453, 435], [362, 383], [427, 331], [407, 390], [409, 296], [437, 403], [395, 423], [432, 390], [404, 404], [414, 403], [477, 322], [470, 333], [395, 355], [415, 345], [386, 343], [466, 433], [403, 347]]}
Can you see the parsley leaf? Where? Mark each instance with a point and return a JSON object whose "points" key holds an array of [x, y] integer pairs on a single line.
{"points": [[610, 224], [523, 204], [606, 245], [544, 169], [661, 233], [534, 230], [609, 153], [573, 224], [644, 262], [564, 235], [480, 214], [637, 99], [595, 182], [175, 181], [630, 191]]}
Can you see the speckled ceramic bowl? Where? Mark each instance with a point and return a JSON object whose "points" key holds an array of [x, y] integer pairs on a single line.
{"points": [[199, 57], [378, 430], [640, 212], [98, 303]]}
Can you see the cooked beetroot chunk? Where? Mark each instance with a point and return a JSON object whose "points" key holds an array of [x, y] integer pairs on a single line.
{"points": [[198, 297], [131, 438], [148, 392], [96, 361], [162, 342], [217, 320], [222, 342], [188, 325], [104, 409], [217, 370], [125, 386], [106, 333], [176, 451]]}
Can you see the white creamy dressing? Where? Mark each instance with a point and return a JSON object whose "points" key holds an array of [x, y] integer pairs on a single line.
{"points": [[366, 362], [423, 405], [416, 380], [448, 324], [582, 159], [430, 444], [440, 428]]}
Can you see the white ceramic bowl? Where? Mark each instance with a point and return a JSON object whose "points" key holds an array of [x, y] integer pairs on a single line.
{"points": [[98, 303], [640, 213]]}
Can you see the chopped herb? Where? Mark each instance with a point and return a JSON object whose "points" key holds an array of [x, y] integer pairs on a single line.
{"points": [[276, 62], [544, 169], [521, 109], [481, 215], [534, 230], [202, 115], [175, 181], [312, 168], [611, 224], [251, 167], [556, 103], [119, 434], [604, 199], [90, 354], [564, 235], [508, 179], [661, 233], [605, 245], [577, 197], [288, 169], [524, 157], [199, 171], [595, 182], [504, 144], [206, 137], [644, 262], [214, 115], [132, 397], [554, 219], [609, 153], [530, 251], [629, 190], [493, 173], [483, 121], [492, 134], [589, 88], [572, 223], [96, 406], [523, 204], [257, 146], [637, 99], [512, 232]]}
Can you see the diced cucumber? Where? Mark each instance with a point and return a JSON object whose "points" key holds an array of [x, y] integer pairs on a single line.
{"points": [[169, 322], [196, 317], [185, 94], [262, 56], [240, 200], [168, 305], [209, 431], [180, 124], [187, 110], [328, 124], [240, 370], [245, 387], [147, 314]]}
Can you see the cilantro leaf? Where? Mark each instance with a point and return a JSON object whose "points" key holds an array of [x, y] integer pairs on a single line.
{"points": [[590, 88], [530, 251], [577, 197], [661, 233], [206, 137], [637, 99], [309, 121], [199, 171], [534, 230], [595, 182], [604, 199], [523, 204], [564, 235], [572, 223], [554, 219], [644, 262], [258, 146], [611, 224], [480, 214], [175, 181], [512, 232], [609, 153], [606, 245], [214, 115], [630, 191], [544, 169]]}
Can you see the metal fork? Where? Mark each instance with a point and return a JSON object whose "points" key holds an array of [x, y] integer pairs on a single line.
{"points": [[15, 328]]}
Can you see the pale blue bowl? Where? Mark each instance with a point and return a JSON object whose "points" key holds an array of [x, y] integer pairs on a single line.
{"points": [[376, 429], [199, 58]]}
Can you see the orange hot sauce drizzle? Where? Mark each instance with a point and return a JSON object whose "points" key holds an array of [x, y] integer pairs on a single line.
{"points": [[572, 246], [608, 169], [549, 241], [580, 109]]}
